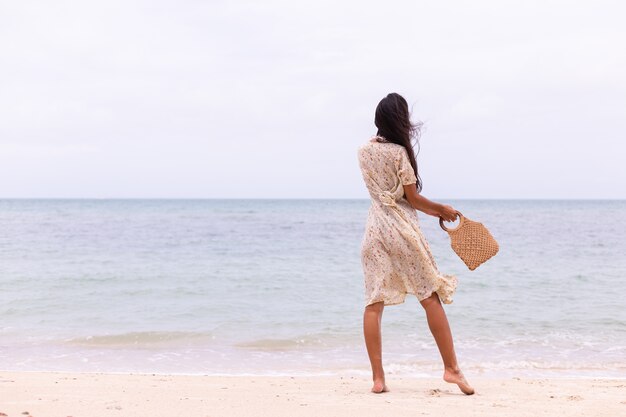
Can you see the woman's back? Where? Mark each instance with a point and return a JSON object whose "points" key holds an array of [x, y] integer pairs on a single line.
{"points": [[385, 167]]}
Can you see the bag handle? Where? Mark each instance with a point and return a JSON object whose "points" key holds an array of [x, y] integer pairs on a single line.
{"points": [[461, 218]]}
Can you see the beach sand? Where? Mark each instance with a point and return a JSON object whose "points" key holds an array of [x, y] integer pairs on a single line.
{"points": [[51, 394]]}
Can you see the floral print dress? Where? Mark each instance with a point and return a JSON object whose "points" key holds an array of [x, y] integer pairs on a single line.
{"points": [[395, 256]]}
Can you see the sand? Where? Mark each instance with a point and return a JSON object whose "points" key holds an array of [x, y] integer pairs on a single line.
{"points": [[51, 394]]}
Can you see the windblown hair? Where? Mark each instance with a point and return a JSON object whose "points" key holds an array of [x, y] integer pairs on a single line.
{"points": [[393, 121]]}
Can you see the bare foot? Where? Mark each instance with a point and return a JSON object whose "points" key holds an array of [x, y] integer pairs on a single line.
{"points": [[379, 386], [455, 376]]}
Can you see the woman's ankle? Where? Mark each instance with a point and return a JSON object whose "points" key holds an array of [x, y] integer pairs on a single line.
{"points": [[453, 369]]}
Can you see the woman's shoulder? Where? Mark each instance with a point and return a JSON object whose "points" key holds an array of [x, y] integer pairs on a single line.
{"points": [[379, 140], [383, 141], [365, 144], [384, 150]]}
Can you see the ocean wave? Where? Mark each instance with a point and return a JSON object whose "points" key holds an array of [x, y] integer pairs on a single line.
{"points": [[276, 344], [142, 339]]}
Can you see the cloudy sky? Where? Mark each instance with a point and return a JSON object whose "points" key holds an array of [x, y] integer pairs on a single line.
{"points": [[270, 99]]}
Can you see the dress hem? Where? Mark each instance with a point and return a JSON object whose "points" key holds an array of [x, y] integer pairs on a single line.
{"points": [[385, 304]]}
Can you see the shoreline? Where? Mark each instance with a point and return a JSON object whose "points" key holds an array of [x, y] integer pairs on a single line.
{"points": [[358, 374], [51, 393]]}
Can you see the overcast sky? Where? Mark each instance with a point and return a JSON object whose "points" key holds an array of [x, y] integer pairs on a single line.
{"points": [[270, 99]]}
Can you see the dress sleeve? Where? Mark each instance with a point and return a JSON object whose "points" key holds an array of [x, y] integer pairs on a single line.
{"points": [[405, 169]]}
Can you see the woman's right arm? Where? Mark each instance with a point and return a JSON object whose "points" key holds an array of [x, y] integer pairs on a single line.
{"points": [[421, 203]]}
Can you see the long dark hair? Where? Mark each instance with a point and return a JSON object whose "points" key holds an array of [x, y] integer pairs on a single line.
{"points": [[393, 121]]}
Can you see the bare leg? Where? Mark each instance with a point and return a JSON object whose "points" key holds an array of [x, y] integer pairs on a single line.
{"points": [[439, 327], [373, 341]]}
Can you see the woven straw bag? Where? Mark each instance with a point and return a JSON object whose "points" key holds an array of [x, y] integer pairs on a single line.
{"points": [[471, 241]]}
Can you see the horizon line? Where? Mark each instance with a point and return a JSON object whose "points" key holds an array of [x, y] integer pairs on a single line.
{"points": [[319, 198]]}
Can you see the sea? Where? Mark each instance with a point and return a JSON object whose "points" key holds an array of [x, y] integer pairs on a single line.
{"points": [[275, 287]]}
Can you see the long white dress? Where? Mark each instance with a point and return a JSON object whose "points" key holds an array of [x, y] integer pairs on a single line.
{"points": [[395, 256]]}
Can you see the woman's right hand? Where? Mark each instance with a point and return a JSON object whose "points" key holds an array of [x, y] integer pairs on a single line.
{"points": [[447, 213]]}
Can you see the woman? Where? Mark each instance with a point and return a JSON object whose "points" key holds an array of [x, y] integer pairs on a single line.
{"points": [[395, 256]]}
